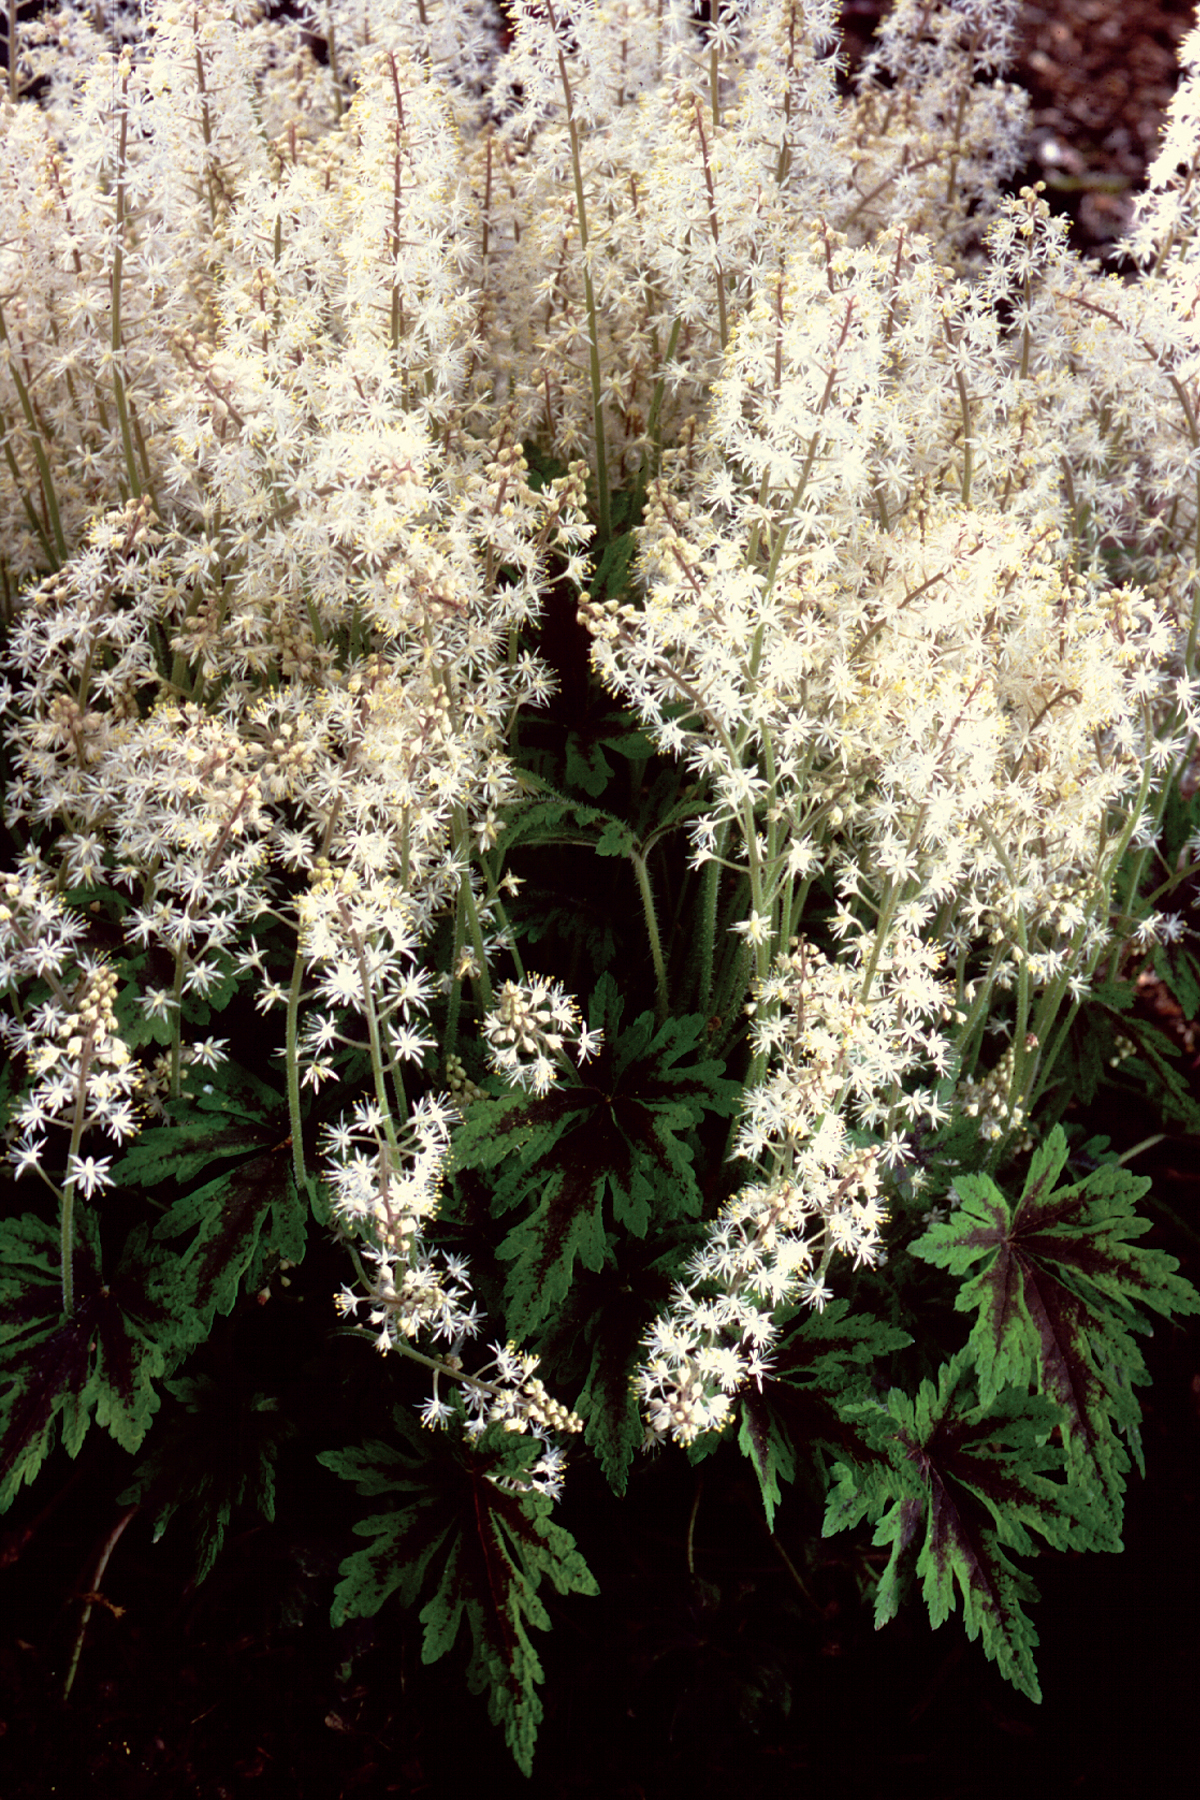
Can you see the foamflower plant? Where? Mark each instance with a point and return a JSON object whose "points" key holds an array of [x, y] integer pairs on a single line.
{"points": [[620, 613]]}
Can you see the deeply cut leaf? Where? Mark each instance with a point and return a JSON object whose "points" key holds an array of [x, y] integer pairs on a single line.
{"points": [[240, 1222], [219, 1453], [1057, 1289], [591, 1159], [478, 1549], [102, 1362], [819, 1373], [962, 1484]]}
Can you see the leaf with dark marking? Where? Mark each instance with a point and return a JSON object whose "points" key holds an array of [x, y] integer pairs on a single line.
{"points": [[809, 1402], [962, 1485], [587, 1162], [241, 1223], [1057, 1292], [232, 1115], [218, 1454], [100, 1363], [461, 1531]]}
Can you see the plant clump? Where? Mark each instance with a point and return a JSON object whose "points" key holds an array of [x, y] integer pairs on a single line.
{"points": [[341, 398]]}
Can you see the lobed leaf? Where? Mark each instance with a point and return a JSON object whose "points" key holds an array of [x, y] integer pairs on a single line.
{"points": [[241, 1224], [218, 1454], [811, 1399], [250, 1115], [589, 1160], [1057, 1289], [962, 1484], [464, 1534], [59, 1373]]}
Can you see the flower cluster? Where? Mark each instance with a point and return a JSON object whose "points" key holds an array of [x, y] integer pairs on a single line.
{"points": [[841, 1040], [760, 1257], [385, 1191], [82, 1074], [529, 1030], [508, 1391]]}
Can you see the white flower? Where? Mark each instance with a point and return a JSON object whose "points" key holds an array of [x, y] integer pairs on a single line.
{"points": [[89, 1173], [26, 1156], [756, 929], [434, 1412], [158, 1003]]}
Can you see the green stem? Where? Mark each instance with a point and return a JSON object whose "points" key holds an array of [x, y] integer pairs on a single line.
{"points": [[66, 1223], [49, 495], [661, 998], [1135, 813], [701, 969], [14, 80], [1022, 1048], [604, 519], [651, 465], [334, 71], [295, 1122], [66, 1244], [131, 467], [177, 1023], [460, 838], [1160, 806], [372, 1021]]}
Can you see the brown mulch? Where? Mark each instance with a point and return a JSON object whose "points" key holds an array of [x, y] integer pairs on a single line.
{"points": [[1099, 74]]}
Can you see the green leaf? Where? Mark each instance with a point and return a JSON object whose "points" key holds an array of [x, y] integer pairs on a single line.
{"points": [[626, 737], [542, 467], [9, 1092], [609, 1406], [230, 1115], [462, 1533], [180, 1152], [1155, 1067], [568, 1226], [555, 819], [587, 766], [197, 1009], [609, 1314], [811, 1399], [218, 1453], [1084, 1062], [586, 1161], [536, 918], [242, 1225], [1180, 822], [1057, 1292], [616, 839], [962, 1484], [101, 1363], [612, 571], [1178, 968], [769, 1450]]}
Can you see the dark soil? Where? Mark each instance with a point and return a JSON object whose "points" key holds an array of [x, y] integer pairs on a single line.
{"points": [[740, 1681]]}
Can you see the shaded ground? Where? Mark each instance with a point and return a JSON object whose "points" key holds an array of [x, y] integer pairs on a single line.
{"points": [[741, 1682], [1100, 74]]}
